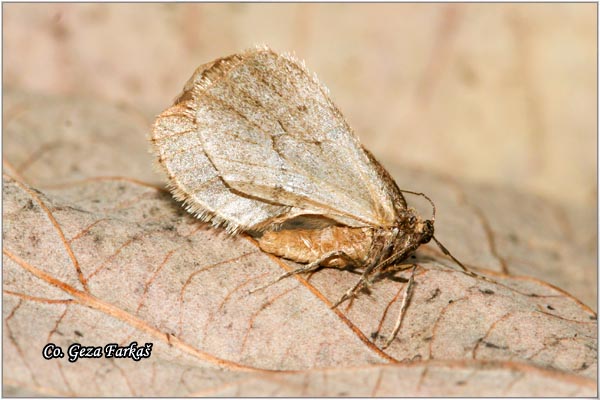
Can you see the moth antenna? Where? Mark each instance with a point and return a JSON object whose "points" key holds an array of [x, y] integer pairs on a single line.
{"points": [[447, 252], [467, 270], [424, 195]]}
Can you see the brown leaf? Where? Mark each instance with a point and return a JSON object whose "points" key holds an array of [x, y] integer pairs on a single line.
{"points": [[94, 255]]}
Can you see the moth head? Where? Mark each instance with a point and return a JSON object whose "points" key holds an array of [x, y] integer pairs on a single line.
{"points": [[422, 230], [425, 229]]}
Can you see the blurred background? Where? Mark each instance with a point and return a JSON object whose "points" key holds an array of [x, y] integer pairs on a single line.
{"points": [[493, 93]]}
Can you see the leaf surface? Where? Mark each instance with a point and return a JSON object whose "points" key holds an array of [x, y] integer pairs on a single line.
{"points": [[96, 252]]}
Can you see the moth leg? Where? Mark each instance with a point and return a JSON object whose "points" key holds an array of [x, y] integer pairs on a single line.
{"points": [[378, 244], [403, 307], [309, 267], [357, 287], [351, 292], [365, 280], [392, 268]]}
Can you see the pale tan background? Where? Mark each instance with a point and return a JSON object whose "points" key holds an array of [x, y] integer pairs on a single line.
{"points": [[496, 93], [500, 94]]}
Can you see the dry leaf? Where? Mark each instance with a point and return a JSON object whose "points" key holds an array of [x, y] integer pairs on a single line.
{"points": [[93, 254]]}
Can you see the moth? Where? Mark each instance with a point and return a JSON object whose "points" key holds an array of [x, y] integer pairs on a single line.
{"points": [[254, 144]]}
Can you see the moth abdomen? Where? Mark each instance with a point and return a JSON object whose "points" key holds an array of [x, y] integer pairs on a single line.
{"points": [[310, 245]]}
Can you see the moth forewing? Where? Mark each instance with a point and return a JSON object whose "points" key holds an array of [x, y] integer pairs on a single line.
{"points": [[272, 134]]}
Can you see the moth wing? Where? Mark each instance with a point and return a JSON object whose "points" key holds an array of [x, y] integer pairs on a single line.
{"points": [[272, 133], [193, 178]]}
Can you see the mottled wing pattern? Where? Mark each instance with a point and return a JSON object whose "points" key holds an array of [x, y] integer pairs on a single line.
{"points": [[272, 133], [192, 177], [254, 139]]}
